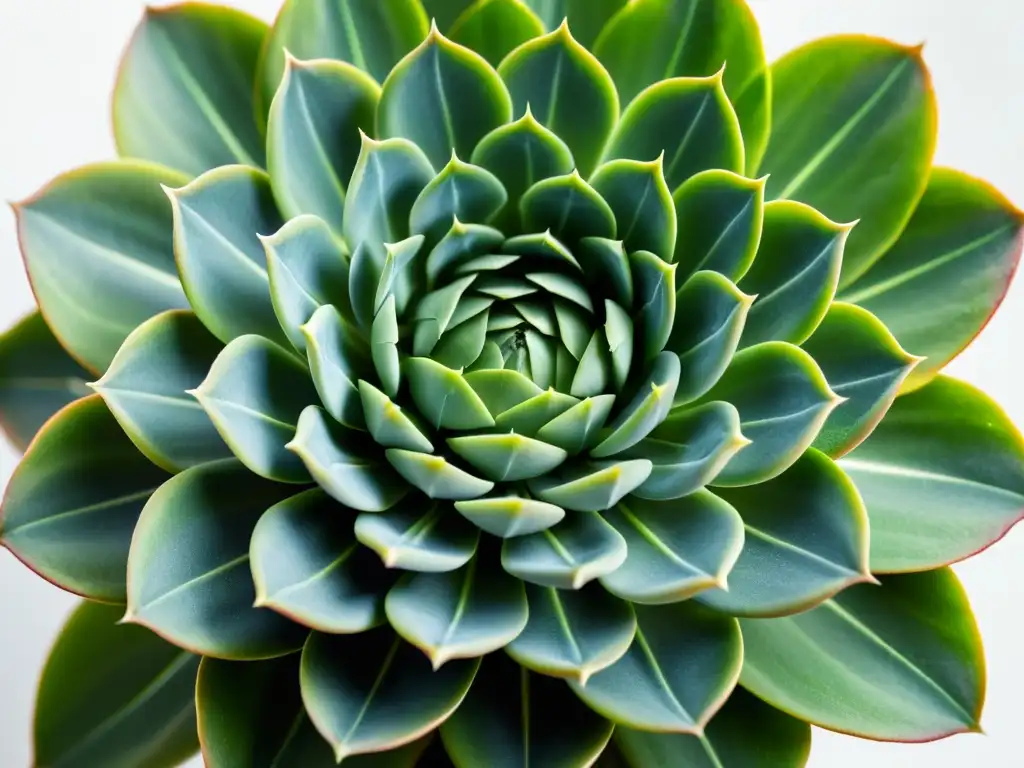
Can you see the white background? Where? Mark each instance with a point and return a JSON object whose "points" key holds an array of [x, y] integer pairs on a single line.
{"points": [[58, 58]]}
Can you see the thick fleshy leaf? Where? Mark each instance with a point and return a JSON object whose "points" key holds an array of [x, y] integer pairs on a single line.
{"points": [[806, 539], [794, 275], [746, 733], [783, 400], [535, 720], [520, 154], [567, 207], [37, 379], [72, 503], [862, 362], [146, 389], [460, 614], [579, 426], [445, 12], [254, 394], [676, 549], [720, 218], [188, 570], [218, 220], [115, 224], [567, 89], [652, 40], [308, 566], [965, 238], [646, 411], [437, 477], [444, 396], [642, 203], [502, 390], [710, 314], [606, 270], [389, 425], [338, 358], [573, 633], [681, 667], [855, 140], [689, 120], [384, 338], [580, 549], [592, 486], [655, 301], [688, 450], [184, 93], [343, 463], [419, 536], [114, 695], [530, 416], [313, 137], [507, 458], [371, 36], [461, 191], [942, 477], [904, 675], [493, 28], [444, 98], [389, 699]]}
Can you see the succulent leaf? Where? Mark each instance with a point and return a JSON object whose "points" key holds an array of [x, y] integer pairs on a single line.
{"points": [[418, 535], [493, 28], [461, 191], [338, 359], [642, 203]]}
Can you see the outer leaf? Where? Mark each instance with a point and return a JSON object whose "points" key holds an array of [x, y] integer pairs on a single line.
{"points": [[37, 379], [114, 696], [746, 733], [536, 721], [218, 219], [116, 222], [313, 136], [689, 119], [419, 536], [146, 390], [676, 548], [795, 273], [254, 394], [461, 614], [806, 539], [443, 97], [651, 40], [372, 36], [391, 698], [568, 556], [445, 12], [855, 140], [862, 362], [188, 574], [942, 477], [642, 203], [586, 17], [567, 89], [682, 666], [73, 501], [308, 566], [904, 674], [783, 400], [573, 633], [493, 28], [965, 238], [655, 301], [184, 89]]}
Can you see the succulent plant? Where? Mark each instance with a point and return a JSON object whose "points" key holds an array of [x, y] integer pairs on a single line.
{"points": [[507, 383]]}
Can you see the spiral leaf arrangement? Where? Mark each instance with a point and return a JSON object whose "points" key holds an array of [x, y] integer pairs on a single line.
{"points": [[517, 377]]}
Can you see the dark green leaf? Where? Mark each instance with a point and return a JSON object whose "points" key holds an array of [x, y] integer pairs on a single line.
{"points": [[445, 12], [493, 28], [646, 410], [419, 535], [606, 269], [462, 192], [655, 301], [639, 196], [580, 549], [568, 208]]}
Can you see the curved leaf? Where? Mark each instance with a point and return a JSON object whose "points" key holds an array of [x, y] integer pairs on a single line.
{"points": [[683, 664], [863, 363], [567, 207], [655, 301], [652, 40], [855, 140], [338, 357], [437, 477], [911, 668], [689, 120], [254, 395], [507, 458], [308, 566], [640, 198], [371, 36], [460, 192], [389, 425], [567, 89], [592, 486], [188, 570], [746, 733], [384, 338], [37, 378], [419, 536], [184, 92], [510, 516], [676, 549], [579, 425], [444, 396], [806, 538], [115, 222], [218, 219], [389, 699], [646, 411], [313, 136], [493, 28], [964, 239], [443, 97], [114, 695], [942, 477], [535, 721], [72, 503], [146, 389]]}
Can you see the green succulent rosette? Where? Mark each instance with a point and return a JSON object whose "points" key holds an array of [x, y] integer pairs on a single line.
{"points": [[550, 384]]}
